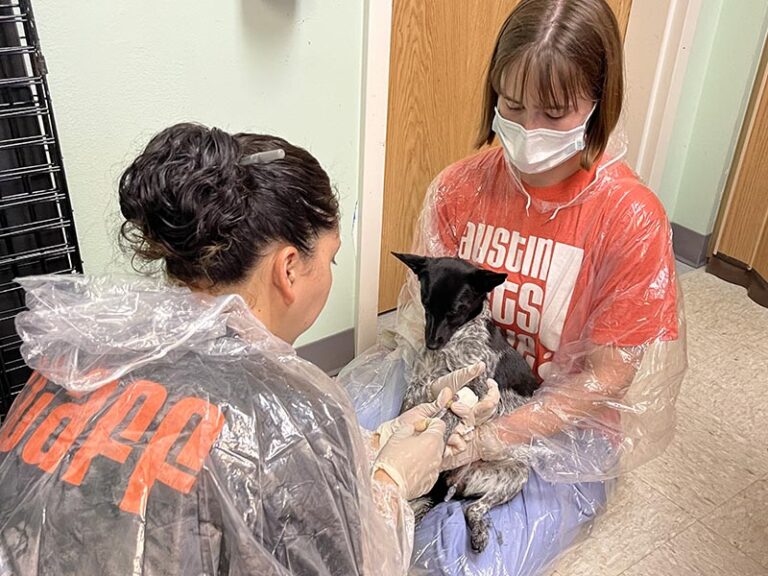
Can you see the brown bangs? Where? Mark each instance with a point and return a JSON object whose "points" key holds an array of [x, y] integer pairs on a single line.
{"points": [[558, 83]]}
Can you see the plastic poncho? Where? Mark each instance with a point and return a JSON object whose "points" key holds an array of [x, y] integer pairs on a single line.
{"points": [[165, 432], [591, 302]]}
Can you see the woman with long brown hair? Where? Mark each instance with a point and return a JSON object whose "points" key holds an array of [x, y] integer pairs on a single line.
{"points": [[590, 299]]}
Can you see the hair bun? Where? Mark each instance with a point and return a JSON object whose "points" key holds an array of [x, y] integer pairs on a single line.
{"points": [[189, 202]]}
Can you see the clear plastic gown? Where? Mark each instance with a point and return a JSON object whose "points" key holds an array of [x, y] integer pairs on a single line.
{"points": [[164, 432], [591, 302]]}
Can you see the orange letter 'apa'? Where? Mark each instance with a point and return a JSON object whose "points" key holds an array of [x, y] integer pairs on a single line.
{"points": [[100, 441], [77, 417], [152, 465], [21, 415]]}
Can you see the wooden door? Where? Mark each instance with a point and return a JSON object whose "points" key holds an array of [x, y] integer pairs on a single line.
{"points": [[439, 55], [740, 248]]}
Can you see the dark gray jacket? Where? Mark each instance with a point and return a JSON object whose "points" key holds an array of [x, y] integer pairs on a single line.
{"points": [[223, 453]]}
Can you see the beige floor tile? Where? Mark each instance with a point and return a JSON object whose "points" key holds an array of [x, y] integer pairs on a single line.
{"points": [[701, 284], [706, 464], [708, 339], [693, 377], [743, 521], [719, 312], [696, 552], [638, 521], [683, 268], [761, 342], [703, 344], [762, 346], [702, 292], [733, 389], [717, 453], [706, 351]]}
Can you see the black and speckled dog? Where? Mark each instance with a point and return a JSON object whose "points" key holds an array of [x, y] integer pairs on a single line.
{"points": [[460, 332]]}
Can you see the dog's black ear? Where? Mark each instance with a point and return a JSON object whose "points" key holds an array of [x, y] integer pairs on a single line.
{"points": [[415, 263], [485, 280]]}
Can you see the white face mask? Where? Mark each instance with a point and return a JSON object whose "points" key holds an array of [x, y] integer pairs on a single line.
{"points": [[536, 151]]}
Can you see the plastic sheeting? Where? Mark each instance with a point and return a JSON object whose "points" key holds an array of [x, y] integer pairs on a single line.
{"points": [[591, 302], [166, 432]]}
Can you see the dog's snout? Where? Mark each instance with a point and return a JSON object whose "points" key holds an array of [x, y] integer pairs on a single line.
{"points": [[435, 335], [434, 344], [436, 340]]}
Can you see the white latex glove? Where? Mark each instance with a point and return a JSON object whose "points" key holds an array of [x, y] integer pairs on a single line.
{"points": [[416, 417], [413, 459], [473, 415], [457, 379], [483, 443]]}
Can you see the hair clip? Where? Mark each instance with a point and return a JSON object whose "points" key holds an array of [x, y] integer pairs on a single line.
{"points": [[263, 157]]}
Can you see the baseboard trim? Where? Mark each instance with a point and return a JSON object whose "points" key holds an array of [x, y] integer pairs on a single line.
{"points": [[737, 272], [331, 354], [690, 247]]}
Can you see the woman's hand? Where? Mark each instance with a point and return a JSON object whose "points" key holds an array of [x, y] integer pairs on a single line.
{"points": [[417, 417], [457, 379], [480, 412], [483, 443], [473, 416], [412, 459]]}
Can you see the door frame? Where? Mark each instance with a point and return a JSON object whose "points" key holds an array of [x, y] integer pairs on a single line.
{"points": [[373, 153], [757, 93], [656, 63], [655, 73]]}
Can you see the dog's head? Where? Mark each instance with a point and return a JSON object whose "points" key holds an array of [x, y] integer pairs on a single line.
{"points": [[453, 292]]}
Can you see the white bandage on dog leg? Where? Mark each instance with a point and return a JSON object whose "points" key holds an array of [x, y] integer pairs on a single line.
{"points": [[467, 397], [467, 400]]}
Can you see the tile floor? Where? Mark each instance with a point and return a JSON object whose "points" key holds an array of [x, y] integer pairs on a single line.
{"points": [[701, 509]]}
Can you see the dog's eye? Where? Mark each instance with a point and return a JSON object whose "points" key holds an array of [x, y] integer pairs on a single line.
{"points": [[458, 312]]}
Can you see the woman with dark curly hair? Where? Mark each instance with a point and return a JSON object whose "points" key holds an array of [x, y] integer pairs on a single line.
{"points": [[170, 427]]}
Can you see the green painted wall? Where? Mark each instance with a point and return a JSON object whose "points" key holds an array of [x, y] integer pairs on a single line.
{"points": [[121, 71], [716, 90]]}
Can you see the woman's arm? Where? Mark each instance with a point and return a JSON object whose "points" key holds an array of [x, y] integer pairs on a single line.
{"points": [[404, 456], [585, 396], [566, 400], [392, 508]]}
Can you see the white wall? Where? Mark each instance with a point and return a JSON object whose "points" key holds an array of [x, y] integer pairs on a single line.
{"points": [[119, 71]]}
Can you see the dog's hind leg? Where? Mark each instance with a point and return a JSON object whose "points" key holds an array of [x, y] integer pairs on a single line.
{"points": [[421, 506], [497, 483]]}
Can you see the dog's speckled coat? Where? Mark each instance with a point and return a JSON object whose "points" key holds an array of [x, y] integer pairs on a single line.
{"points": [[492, 482]]}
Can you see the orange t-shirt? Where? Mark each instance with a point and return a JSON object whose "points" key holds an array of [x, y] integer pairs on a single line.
{"points": [[599, 271]]}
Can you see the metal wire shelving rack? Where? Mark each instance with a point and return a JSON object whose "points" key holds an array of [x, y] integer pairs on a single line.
{"points": [[37, 232]]}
